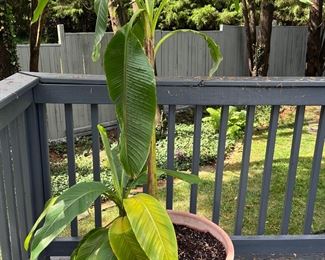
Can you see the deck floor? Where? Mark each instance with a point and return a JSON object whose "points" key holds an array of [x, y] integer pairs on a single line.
{"points": [[258, 257]]}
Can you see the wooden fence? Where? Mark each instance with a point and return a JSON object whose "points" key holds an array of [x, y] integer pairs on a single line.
{"points": [[183, 55]]}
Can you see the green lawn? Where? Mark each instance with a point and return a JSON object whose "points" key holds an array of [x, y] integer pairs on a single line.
{"points": [[231, 183]]}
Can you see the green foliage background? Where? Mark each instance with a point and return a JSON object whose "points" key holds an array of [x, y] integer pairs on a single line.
{"points": [[79, 15], [8, 39]]}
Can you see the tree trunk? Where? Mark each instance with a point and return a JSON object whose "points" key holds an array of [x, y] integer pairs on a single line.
{"points": [[8, 55], [258, 49], [264, 38], [249, 37], [314, 59], [35, 38]]}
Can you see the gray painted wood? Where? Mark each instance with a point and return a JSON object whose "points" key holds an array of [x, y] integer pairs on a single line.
{"points": [[220, 163], [71, 157], [4, 222], [252, 245], [43, 135], [196, 156], [25, 170], [220, 91], [10, 111], [170, 155], [14, 87], [290, 244], [34, 155], [18, 184], [96, 160], [294, 156], [314, 177], [268, 169], [249, 128], [10, 194]]}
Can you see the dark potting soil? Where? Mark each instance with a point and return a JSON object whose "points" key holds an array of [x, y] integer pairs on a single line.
{"points": [[193, 244]]}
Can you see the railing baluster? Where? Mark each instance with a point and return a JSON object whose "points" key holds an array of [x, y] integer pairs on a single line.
{"points": [[220, 163], [38, 174], [10, 193], [25, 167], [249, 128], [268, 168], [96, 160], [196, 156], [42, 115], [17, 176], [4, 221], [71, 158], [314, 178], [293, 163], [170, 155]]}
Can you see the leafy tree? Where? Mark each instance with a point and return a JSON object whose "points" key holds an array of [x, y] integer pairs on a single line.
{"points": [[315, 57], [8, 55], [291, 12], [200, 15]]}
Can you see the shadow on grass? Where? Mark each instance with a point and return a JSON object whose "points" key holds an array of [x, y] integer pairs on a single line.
{"points": [[276, 197]]}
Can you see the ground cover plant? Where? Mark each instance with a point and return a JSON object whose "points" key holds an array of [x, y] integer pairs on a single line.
{"points": [[231, 181]]}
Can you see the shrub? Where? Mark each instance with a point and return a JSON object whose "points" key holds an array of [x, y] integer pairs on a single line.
{"points": [[184, 146], [236, 121]]}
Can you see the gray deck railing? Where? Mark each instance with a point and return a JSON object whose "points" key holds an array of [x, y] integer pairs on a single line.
{"points": [[24, 154]]}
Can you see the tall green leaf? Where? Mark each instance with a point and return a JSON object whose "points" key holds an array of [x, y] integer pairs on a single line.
{"points": [[189, 178], [123, 241], [150, 6], [130, 79], [157, 14], [47, 207], [215, 51], [70, 204], [152, 227], [113, 162], [39, 10], [94, 246], [101, 9]]}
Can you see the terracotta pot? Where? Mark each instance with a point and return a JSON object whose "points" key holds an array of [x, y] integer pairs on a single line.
{"points": [[204, 225]]}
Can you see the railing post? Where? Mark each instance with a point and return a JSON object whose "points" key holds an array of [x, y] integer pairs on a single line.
{"points": [[38, 156]]}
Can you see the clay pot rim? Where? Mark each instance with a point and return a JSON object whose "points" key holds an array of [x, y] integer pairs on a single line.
{"points": [[209, 225]]}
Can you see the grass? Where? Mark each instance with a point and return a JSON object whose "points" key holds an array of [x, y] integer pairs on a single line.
{"points": [[231, 184]]}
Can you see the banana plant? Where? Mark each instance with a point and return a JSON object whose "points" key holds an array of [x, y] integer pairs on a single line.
{"points": [[142, 229]]}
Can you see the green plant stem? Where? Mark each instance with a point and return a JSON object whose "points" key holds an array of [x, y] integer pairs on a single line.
{"points": [[152, 170]]}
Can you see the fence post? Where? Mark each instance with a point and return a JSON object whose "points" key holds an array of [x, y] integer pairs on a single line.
{"points": [[63, 54]]}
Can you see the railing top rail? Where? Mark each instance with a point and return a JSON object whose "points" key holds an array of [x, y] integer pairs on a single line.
{"points": [[90, 89], [53, 78], [13, 87]]}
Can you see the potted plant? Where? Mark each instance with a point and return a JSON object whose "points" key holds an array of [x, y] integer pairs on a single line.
{"points": [[143, 229]]}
